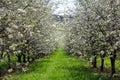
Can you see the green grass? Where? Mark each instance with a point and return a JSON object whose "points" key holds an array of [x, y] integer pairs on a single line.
{"points": [[58, 66]]}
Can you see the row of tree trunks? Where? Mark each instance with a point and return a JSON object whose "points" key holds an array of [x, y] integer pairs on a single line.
{"points": [[23, 58], [112, 60]]}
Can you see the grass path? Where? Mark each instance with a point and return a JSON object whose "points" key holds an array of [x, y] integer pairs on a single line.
{"points": [[58, 66]]}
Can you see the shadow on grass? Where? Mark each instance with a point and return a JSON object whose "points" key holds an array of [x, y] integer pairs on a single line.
{"points": [[83, 73]]}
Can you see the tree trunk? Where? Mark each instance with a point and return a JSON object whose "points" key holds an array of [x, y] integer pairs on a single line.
{"points": [[28, 55], [33, 58], [112, 59], [19, 58], [9, 60], [94, 62], [28, 58], [24, 58], [2, 52], [102, 64], [102, 60]]}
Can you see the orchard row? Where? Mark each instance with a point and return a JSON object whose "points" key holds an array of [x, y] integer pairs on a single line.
{"points": [[25, 30], [95, 31]]}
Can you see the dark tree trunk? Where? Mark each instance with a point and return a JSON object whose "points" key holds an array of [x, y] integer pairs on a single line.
{"points": [[0, 75], [112, 59], [102, 60], [33, 58], [2, 52], [102, 64], [19, 58], [9, 60], [1, 56], [24, 58], [94, 62], [112, 65], [28, 58], [28, 55]]}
